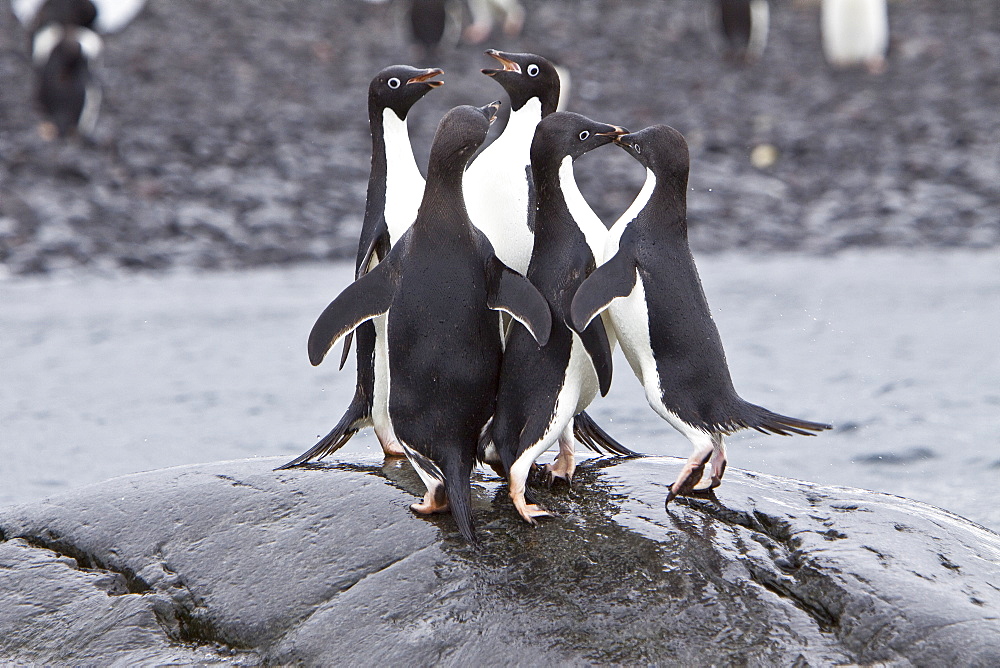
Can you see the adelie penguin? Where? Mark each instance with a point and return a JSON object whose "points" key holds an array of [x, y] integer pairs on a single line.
{"points": [[499, 192], [395, 187], [542, 388], [650, 285], [435, 297], [744, 25], [65, 46]]}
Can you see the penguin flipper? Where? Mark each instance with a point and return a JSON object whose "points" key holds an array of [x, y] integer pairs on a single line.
{"points": [[377, 248], [613, 279], [595, 341], [512, 293], [362, 300]]}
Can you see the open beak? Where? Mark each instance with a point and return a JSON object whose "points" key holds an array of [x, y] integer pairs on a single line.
{"points": [[490, 111], [508, 64], [426, 76]]}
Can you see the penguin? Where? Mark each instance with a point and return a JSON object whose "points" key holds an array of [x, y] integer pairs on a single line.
{"points": [[432, 298], [64, 49], [65, 43], [855, 32], [482, 13], [542, 388], [433, 22], [744, 25], [395, 186], [650, 285], [499, 189]]}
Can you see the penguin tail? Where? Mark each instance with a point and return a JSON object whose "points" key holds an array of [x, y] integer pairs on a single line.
{"points": [[354, 419], [590, 434], [769, 422], [458, 485]]}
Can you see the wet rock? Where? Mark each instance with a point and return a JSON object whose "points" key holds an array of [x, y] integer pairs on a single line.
{"points": [[232, 562]]}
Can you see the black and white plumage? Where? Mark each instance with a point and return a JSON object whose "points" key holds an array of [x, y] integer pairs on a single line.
{"points": [[650, 286], [65, 45], [395, 187], [499, 189], [542, 388], [744, 25], [434, 297], [498, 183]]}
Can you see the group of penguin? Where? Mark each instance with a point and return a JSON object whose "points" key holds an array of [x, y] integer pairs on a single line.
{"points": [[854, 32], [488, 299]]}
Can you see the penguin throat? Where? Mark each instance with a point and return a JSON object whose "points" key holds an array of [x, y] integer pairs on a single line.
{"points": [[516, 137], [403, 181], [581, 212], [641, 200]]}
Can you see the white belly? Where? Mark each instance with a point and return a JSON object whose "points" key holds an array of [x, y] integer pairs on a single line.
{"points": [[854, 31], [380, 392]]}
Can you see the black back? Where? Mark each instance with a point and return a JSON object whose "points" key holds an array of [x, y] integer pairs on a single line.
{"points": [[428, 19], [62, 84], [561, 259], [734, 19], [690, 359], [524, 76]]}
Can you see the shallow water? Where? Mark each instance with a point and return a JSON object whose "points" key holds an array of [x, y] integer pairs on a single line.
{"points": [[102, 377]]}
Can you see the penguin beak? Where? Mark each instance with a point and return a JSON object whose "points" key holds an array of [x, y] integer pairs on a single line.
{"points": [[615, 133], [508, 64], [623, 139], [490, 111], [425, 77]]}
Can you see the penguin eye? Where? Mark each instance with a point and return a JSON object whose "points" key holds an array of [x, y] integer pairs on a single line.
{"points": [[638, 149], [394, 83], [532, 70], [584, 135]]}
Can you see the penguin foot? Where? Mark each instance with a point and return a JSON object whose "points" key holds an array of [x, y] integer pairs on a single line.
{"points": [[435, 501], [530, 511], [393, 449], [553, 474]]}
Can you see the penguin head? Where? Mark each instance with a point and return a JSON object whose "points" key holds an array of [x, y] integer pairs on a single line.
{"points": [[399, 87], [460, 134], [564, 133], [524, 76], [659, 148]]}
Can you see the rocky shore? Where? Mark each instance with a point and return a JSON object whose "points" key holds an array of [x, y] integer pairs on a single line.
{"points": [[233, 563]]}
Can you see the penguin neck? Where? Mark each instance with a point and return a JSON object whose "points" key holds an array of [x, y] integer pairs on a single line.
{"points": [[442, 209], [394, 170], [396, 152], [515, 140], [579, 210]]}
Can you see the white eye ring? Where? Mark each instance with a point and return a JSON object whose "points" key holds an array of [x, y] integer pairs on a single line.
{"points": [[394, 83], [638, 149], [584, 135], [533, 70]]}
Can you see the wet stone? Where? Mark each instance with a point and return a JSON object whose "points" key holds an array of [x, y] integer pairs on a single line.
{"points": [[232, 562]]}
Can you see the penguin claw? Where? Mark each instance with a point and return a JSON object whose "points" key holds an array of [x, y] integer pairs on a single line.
{"points": [[552, 475], [530, 512]]}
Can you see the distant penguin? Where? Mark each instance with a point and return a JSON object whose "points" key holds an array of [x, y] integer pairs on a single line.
{"points": [[650, 285], [395, 187], [744, 26], [542, 388], [433, 22], [855, 32], [65, 46], [482, 17], [432, 296]]}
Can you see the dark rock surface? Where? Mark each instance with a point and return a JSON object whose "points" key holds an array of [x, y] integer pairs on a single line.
{"points": [[232, 562], [235, 135]]}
